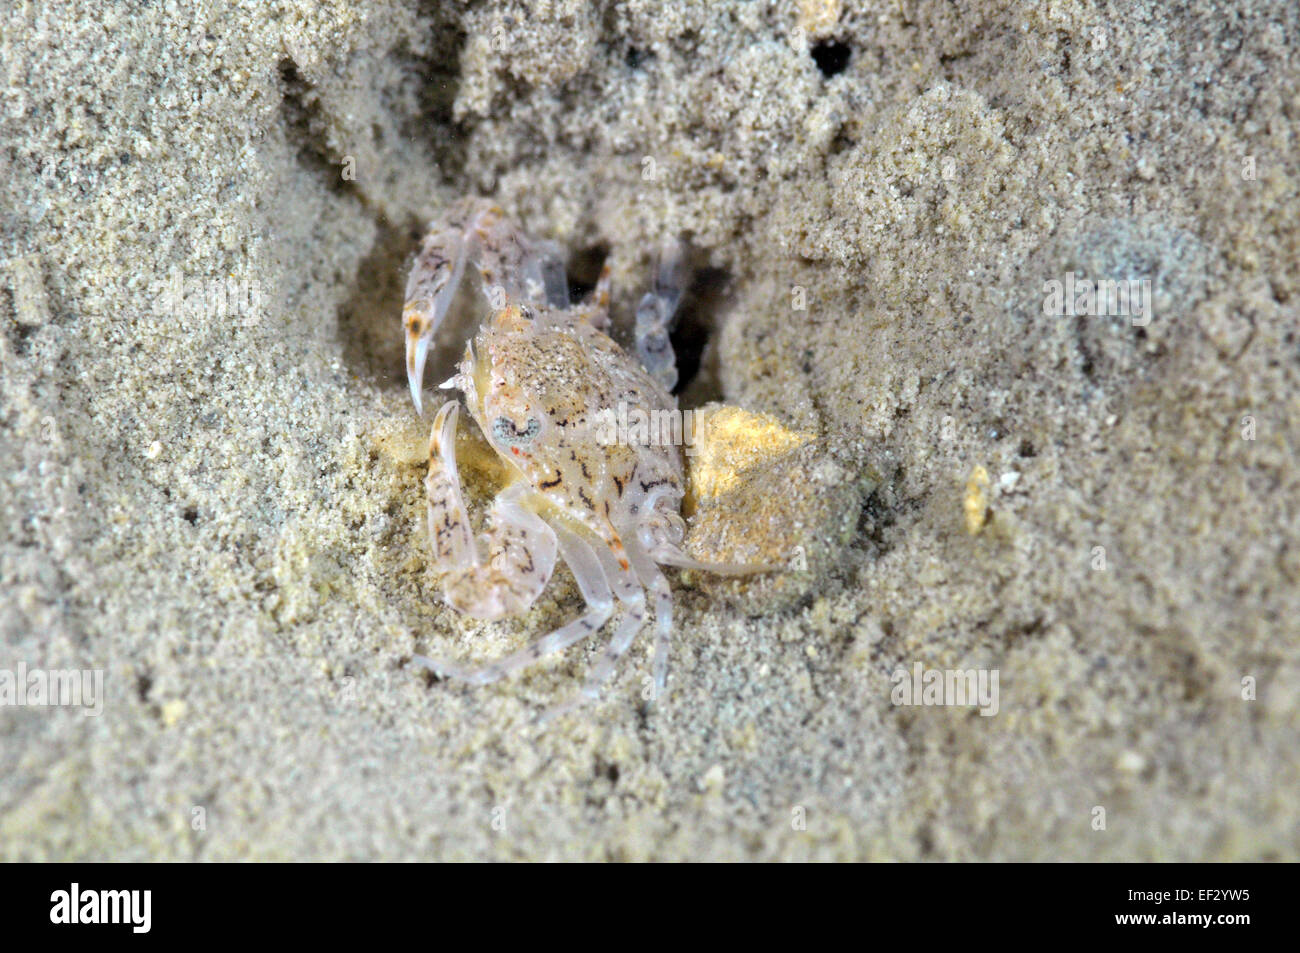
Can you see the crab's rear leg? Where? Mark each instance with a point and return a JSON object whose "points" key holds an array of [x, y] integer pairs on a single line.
{"points": [[655, 582], [505, 570], [631, 594], [657, 313], [600, 605]]}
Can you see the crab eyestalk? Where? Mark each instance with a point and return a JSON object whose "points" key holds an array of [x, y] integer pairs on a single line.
{"points": [[419, 332]]}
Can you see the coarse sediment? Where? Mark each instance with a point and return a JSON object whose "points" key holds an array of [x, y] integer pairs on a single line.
{"points": [[220, 506]]}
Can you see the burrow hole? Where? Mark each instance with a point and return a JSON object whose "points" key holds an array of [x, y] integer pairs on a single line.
{"points": [[369, 322], [832, 57]]}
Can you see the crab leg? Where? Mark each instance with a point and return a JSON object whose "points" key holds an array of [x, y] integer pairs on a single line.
{"points": [[435, 276], [513, 269], [632, 596], [449, 527], [520, 547], [654, 581], [600, 605], [655, 318]]}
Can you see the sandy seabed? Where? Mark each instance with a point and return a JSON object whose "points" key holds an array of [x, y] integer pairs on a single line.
{"points": [[218, 504]]}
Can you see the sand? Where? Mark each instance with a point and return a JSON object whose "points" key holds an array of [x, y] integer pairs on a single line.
{"points": [[217, 504]]}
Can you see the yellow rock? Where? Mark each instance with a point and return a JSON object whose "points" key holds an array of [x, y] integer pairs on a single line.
{"points": [[728, 442], [977, 499], [173, 711], [760, 494]]}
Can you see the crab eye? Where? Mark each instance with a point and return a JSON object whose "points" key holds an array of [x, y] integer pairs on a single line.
{"points": [[506, 432]]}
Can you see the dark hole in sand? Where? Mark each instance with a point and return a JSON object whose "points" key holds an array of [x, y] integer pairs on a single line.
{"points": [[693, 337], [832, 57], [583, 271]]}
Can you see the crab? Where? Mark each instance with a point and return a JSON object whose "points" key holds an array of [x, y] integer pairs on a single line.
{"points": [[536, 379]]}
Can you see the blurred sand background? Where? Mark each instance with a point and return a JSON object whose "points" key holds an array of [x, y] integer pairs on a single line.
{"points": [[224, 511]]}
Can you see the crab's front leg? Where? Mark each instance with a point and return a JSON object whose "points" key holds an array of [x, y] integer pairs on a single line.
{"points": [[522, 552], [435, 277], [502, 572], [513, 268]]}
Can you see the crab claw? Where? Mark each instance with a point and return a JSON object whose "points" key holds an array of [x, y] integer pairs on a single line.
{"points": [[419, 333]]}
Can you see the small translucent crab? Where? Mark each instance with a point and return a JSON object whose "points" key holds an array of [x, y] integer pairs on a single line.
{"points": [[535, 378]]}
